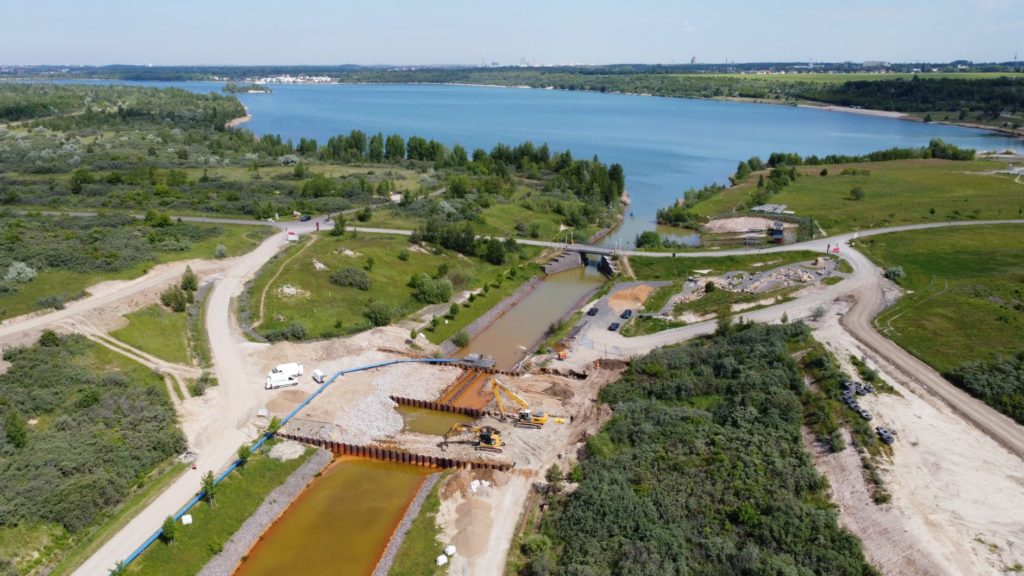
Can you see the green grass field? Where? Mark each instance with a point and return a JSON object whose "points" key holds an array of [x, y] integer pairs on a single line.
{"points": [[236, 499], [158, 331], [900, 192], [237, 239], [965, 297], [326, 309], [681, 268]]}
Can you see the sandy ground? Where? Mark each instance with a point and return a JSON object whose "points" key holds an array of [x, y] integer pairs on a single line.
{"points": [[740, 224], [630, 298], [957, 495], [482, 525]]}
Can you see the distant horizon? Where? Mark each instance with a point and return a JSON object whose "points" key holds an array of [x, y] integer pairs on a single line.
{"points": [[876, 63], [469, 32]]}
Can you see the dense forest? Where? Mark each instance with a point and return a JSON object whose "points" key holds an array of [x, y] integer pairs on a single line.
{"points": [[78, 433], [701, 470], [991, 96]]}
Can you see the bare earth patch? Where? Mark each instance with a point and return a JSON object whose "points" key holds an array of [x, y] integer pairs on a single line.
{"points": [[740, 224]]}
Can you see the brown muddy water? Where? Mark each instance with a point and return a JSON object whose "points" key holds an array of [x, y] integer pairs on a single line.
{"points": [[341, 523], [427, 421], [510, 337]]}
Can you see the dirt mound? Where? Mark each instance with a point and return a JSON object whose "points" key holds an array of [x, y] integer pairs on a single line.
{"points": [[630, 297], [559, 390]]}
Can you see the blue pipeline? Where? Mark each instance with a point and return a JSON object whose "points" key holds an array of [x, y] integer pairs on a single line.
{"points": [[263, 439]]}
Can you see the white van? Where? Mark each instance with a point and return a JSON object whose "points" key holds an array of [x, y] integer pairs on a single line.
{"points": [[319, 376], [293, 369], [280, 380]]}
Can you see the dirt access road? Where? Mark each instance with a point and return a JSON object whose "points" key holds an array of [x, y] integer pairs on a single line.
{"points": [[233, 397]]}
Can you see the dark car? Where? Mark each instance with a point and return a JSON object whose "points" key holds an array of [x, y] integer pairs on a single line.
{"points": [[613, 326], [305, 218], [593, 311], [627, 315]]}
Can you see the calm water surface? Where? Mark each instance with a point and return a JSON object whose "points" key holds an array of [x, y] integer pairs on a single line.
{"points": [[666, 145], [509, 337]]}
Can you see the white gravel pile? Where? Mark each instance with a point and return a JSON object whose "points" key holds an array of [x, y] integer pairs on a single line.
{"points": [[374, 416]]}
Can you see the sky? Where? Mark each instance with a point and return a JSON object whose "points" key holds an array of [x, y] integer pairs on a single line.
{"points": [[416, 32]]}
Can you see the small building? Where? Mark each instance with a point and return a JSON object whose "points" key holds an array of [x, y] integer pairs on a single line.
{"points": [[293, 236]]}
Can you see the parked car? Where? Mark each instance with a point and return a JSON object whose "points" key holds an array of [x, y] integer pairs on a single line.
{"points": [[627, 315], [613, 326], [593, 311], [305, 218]]}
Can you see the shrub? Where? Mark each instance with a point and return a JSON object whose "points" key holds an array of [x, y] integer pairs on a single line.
{"points": [[378, 313], [895, 273], [19, 272], [857, 193], [220, 252], [168, 530], [49, 339], [710, 287], [351, 276], [403, 255], [433, 291], [189, 280], [460, 339], [294, 331], [175, 298]]}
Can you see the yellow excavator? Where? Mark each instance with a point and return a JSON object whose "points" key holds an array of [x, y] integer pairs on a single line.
{"points": [[487, 438], [527, 417]]}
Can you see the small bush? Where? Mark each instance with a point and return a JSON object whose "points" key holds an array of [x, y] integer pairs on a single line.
{"points": [[460, 339], [379, 314], [175, 298], [895, 273], [220, 252], [351, 276], [19, 273]]}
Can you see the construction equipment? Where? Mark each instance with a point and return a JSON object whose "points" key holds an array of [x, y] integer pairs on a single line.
{"points": [[487, 438], [527, 417]]}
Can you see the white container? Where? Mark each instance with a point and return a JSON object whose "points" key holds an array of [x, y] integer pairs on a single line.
{"points": [[442, 560], [449, 550]]}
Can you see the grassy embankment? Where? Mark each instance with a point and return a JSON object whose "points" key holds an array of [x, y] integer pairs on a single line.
{"points": [[326, 309], [421, 545], [235, 500], [56, 282], [964, 298], [30, 545], [895, 193]]}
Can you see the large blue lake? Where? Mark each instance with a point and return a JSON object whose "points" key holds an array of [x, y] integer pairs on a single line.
{"points": [[666, 145]]}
